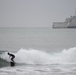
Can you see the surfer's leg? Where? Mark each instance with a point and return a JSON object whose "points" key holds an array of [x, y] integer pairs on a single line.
{"points": [[12, 59]]}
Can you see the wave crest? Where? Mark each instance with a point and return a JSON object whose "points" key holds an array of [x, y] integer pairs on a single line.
{"points": [[32, 56]]}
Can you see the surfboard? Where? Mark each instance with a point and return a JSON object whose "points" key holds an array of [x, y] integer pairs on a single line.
{"points": [[12, 63]]}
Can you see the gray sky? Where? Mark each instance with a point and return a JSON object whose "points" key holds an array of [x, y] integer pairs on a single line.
{"points": [[35, 13]]}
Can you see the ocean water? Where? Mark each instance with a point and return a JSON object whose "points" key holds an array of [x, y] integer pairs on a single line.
{"points": [[38, 51]]}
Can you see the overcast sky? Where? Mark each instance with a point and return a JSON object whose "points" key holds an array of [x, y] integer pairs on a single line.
{"points": [[35, 13]]}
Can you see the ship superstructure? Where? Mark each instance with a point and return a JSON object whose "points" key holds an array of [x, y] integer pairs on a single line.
{"points": [[68, 23]]}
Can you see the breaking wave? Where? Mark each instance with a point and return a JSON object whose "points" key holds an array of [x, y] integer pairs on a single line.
{"points": [[32, 56]]}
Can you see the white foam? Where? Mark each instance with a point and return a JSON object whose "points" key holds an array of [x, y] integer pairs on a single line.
{"points": [[32, 56]]}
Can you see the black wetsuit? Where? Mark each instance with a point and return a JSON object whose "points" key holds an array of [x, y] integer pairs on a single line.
{"points": [[12, 57]]}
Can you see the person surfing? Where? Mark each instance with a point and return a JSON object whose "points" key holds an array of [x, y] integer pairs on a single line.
{"points": [[12, 58]]}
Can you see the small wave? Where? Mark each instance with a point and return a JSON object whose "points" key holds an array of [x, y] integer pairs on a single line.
{"points": [[32, 56], [3, 63]]}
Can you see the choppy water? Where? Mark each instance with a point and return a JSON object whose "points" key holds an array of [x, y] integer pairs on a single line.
{"points": [[38, 51]]}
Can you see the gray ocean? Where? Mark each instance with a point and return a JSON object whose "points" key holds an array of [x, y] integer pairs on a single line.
{"points": [[38, 51]]}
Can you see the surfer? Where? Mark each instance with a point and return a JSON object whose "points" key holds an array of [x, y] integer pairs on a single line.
{"points": [[12, 56]]}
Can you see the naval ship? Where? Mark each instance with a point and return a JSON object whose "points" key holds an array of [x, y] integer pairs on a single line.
{"points": [[68, 23]]}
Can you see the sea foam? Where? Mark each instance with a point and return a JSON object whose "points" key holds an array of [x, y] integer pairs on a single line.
{"points": [[32, 56]]}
